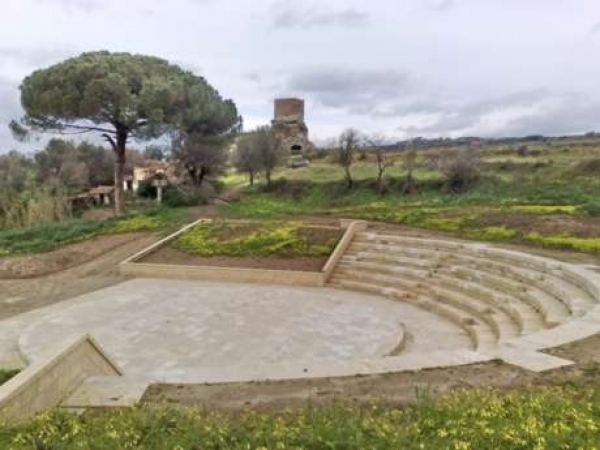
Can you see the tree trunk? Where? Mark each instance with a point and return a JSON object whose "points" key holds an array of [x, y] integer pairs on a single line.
{"points": [[251, 174], [120, 149], [379, 181], [202, 175], [349, 178], [268, 177]]}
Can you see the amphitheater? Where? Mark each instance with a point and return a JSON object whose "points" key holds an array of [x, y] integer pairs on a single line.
{"points": [[389, 303]]}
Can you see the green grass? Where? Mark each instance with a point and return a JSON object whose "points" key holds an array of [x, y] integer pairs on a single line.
{"points": [[319, 190], [6, 375], [258, 239], [549, 418], [47, 237]]}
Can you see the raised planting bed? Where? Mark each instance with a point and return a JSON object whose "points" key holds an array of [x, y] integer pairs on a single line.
{"points": [[274, 245]]}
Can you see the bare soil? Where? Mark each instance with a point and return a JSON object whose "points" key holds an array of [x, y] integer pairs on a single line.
{"points": [[20, 295], [169, 255], [36, 265], [545, 224]]}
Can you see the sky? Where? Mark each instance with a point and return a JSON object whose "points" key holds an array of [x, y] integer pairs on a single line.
{"points": [[392, 68]]}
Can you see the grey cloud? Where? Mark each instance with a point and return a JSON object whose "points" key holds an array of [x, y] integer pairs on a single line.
{"points": [[288, 16], [595, 28], [253, 76], [442, 5], [358, 91], [539, 112], [84, 5]]}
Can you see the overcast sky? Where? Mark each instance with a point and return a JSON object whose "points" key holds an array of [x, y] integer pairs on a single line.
{"points": [[401, 68]]}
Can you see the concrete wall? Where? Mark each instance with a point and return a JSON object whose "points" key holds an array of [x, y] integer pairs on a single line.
{"points": [[46, 383]]}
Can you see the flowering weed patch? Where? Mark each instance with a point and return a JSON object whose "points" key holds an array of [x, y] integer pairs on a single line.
{"points": [[551, 418], [258, 239]]}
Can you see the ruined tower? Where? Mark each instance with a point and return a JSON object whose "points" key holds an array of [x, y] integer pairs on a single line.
{"points": [[288, 124]]}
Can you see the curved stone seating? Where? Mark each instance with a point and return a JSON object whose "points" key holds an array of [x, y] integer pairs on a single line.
{"points": [[496, 296]]}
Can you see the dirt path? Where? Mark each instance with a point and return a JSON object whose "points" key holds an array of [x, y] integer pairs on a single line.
{"points": [[18, 296]]}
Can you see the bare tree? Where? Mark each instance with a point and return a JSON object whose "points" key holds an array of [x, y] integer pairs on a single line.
{"points": [[245, 158], [382, 158], [460, 168], [409, 161], [348, 144], [269, 151]]}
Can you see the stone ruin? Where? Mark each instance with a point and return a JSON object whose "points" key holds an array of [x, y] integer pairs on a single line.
{"points": [[288, 124]]}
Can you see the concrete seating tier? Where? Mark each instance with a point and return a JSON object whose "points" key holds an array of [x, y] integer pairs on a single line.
{"points": [[494, 295]]}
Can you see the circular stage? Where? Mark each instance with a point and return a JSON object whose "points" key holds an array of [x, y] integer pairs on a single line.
{"points": [[165, 330]]}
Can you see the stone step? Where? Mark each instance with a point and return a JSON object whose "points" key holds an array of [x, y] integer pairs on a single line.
{"points": [[482, 335], [503, 325], [525, 314], [559, 304], [510, 257], [577, 293], [106, 392]]}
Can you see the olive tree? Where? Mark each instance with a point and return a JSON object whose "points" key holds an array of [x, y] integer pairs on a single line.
{"points": [[245, 157], [382, 158], [349, 143], [122, 97], [201, 156]]}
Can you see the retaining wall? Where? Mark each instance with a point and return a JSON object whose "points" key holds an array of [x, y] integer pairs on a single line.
{"points": [[47, 382]]}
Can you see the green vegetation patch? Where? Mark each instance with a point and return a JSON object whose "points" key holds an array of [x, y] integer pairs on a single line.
{"points": [[6, 375], [48, 237], [565, 241], [259, 239], [550, 418]]}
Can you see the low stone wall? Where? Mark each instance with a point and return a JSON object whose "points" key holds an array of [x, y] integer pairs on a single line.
{"points": [[47, 382], [132, 266], [228, 274], [351, 229]]}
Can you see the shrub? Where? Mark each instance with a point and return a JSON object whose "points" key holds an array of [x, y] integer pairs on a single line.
{"points": [[146, 189], [591, 209], [460, 169], [588, 167], [176, 197]]}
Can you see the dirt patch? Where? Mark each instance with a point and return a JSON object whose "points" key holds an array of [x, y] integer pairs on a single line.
{"points": [[399, 389], [545, 224], [169, 255], [28, 266], [18, 296]]}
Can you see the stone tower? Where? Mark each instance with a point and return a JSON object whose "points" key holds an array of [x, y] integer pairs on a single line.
{"points": [[288, 124]]}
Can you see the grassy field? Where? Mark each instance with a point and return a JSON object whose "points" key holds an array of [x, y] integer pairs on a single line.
{"points": [[47, 237], [549, 418], [550, 200], [261, 238]]}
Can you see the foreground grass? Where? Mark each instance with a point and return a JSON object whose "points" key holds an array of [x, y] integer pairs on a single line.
{"points": [[264, 238], [47, 237], [551, 418]]}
